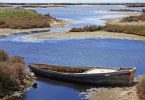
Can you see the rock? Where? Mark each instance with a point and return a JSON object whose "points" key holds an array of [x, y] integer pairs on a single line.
{"points": [[32, 74], [17, 94], [34, 85]]}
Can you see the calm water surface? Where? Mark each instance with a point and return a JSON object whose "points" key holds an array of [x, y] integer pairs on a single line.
{"points": [[88, 52], [85, 52]]}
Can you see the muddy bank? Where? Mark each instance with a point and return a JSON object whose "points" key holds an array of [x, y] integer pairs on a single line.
{"points": [[6, 31]]}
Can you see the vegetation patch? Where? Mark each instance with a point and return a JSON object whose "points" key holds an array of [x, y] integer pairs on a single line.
{"points": [[137, 30], [134, 18], [91, 28], [136, 5], [12, 74], [23, 19], [125, 10]]}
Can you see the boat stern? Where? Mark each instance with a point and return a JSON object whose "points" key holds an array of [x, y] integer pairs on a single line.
{"points": [[132, 75]]}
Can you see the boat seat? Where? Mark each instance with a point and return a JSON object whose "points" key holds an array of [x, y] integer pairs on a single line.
{"points": [[97, 70]]}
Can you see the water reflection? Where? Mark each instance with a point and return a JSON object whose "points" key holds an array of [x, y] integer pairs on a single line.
{"points": [[56, 90]]}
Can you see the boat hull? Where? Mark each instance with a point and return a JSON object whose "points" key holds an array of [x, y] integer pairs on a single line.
{"points": [[115, 78]]}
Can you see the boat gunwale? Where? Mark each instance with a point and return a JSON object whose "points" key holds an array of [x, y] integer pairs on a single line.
{"points": [[130, 70]]}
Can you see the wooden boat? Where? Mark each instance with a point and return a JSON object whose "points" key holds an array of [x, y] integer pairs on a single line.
{"points": [[89, 75]]}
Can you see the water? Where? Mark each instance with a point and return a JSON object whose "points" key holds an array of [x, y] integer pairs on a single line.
{"points": [[86, 52], [86, 15], [75, 52]]}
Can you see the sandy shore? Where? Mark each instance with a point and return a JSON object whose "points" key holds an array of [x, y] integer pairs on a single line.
{"points": [[116, 93], [82, 35], [54, 24]]}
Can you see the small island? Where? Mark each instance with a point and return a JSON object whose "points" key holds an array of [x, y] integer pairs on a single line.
{"points": [[23, 19]]}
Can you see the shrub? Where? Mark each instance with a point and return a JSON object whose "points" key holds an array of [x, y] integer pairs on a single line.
{"points": [[11, 72], [90, 28], [8, 76], [134, 18], [136, 5], [17, 59], [137, 30], [3, 56], [141, 88], [18, 62]]}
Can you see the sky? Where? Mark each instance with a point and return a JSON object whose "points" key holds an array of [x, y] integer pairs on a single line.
{"points": [[70, 1]]}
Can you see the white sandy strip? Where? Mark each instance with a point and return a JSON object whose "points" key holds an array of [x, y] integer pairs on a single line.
{"points": [[82, 35]]}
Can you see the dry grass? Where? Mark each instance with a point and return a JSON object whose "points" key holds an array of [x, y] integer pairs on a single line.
{"points": [[141, 88]]}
